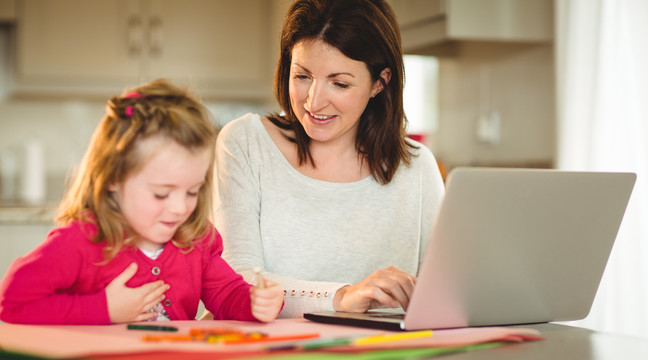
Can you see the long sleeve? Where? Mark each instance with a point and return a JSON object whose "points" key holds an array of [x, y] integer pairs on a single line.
{"points": [[33, 289], [224, 292], [312, 236]]}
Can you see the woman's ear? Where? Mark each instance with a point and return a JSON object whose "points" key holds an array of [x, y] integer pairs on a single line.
{"points": [[378, 85]]}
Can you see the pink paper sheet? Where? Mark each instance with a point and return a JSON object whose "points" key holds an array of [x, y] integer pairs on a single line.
{"points": [[115, 340]]}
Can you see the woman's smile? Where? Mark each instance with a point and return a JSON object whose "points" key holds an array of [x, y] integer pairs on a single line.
{"points": [[321, 119]]}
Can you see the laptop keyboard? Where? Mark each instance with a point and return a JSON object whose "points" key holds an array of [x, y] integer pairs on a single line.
{"points": [[387, 316]]}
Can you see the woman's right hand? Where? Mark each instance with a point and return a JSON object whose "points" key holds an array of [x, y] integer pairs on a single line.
{"points": [[388, 287], [127, 304]]}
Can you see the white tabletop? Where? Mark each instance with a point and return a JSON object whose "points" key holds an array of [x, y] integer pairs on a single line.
{"points": [[565, 342]]}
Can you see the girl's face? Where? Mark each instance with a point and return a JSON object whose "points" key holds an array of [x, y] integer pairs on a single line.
{"points": [[162, 195], [328, 91]]}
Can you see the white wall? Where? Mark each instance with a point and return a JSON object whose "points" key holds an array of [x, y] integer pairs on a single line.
{"points": [[64, 127]]}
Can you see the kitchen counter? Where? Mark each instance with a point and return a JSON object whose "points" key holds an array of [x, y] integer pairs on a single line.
{"points": [[22, 228], [26, 215]]}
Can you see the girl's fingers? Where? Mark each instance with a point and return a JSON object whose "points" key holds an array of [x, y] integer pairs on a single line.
{"points": [[150, 305], [155, 287], [145, 316], [272, 290], [155, 293], [263, 294], [265, 301]]}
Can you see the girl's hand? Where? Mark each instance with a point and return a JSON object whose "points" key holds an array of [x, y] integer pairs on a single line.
{"points": [[389, 287], [132, 304], [266, 302]]}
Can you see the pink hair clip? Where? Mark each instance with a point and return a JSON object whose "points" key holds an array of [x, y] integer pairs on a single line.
{"points": [[133, 95], [129, 109]]}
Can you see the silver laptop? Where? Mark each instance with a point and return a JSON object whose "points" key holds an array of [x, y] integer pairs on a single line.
{"points": [[511, 246]]}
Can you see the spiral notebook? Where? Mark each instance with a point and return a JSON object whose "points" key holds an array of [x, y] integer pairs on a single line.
{"points": [[511, 246]]}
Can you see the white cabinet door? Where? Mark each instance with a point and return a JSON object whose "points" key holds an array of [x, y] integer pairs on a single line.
{"points": [[77, 43], [505, 20], [410, 13], [431, 26], [219, 47]]}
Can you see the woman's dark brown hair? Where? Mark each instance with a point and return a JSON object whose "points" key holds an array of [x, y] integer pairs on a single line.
{"points": [[363, 30]]}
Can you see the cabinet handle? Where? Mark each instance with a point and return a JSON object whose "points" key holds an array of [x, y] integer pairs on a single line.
{"points": [[156, 35], [135, 35]]}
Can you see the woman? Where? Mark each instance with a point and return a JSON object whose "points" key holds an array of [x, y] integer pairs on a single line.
{"points": [[330, 198]]}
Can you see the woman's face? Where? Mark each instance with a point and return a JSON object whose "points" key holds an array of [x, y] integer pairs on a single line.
{"points": [[328, 91]]}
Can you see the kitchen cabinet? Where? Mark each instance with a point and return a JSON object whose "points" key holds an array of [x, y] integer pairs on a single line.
{"points": [[432, 27], [78, 47], [7, 11]]}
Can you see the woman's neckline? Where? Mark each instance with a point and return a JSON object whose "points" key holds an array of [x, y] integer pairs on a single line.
{"points": [[277, 151]]}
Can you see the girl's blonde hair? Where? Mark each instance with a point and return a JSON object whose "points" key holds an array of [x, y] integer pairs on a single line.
{"points": [[155, 109]]}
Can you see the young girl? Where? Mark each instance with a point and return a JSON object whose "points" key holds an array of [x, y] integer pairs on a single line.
{"points": [[134, 241]]}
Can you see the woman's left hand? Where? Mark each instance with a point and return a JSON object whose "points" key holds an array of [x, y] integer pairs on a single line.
{"points": [[266, 302], [388, 287]]}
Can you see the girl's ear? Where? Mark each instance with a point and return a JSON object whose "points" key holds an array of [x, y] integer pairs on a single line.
{"points": [[113, 187], [378, 85]]}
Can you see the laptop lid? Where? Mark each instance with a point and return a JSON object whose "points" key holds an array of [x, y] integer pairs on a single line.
{"points": [[512, 246]]}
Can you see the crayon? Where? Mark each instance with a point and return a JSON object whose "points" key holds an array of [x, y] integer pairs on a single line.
{"points": [[251, 339], [259, 277], [151, 327], [352, 341], [172, 338], [377, 339]]}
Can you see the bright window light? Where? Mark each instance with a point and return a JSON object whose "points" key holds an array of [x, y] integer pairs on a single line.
{"points": [[421, 93]]}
